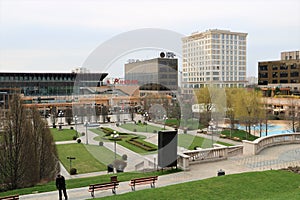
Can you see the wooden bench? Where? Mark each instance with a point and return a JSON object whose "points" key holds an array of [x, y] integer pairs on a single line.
{"points": [[10, 197], [103, 186], [142, 181]]}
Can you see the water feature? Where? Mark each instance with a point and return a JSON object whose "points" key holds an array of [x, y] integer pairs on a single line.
{"points": [[273, 129]]}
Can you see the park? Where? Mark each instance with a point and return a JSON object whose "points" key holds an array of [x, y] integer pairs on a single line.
{"points": [[90, 154]]}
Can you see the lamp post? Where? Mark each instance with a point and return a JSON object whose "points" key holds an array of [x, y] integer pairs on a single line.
{"points": [[75, 118], [165, 118], [115, 136], [86, 123], [60, 114], [211, 127], [146, 117], [71, 158]]}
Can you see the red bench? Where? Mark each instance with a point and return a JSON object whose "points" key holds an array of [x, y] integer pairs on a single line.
{"points": [[142, 181], [103, 186], [12, 197]]}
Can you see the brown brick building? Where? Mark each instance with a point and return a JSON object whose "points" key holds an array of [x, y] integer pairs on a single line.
{"points": [[283, 73]]}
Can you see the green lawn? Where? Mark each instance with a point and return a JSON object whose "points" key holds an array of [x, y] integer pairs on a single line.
{"points": [[63, 135], [141, 128], [100, 133], [84, 182], [240, 134], [192, 124], [84, 162], [271, 185], [190, 142], [123, 142], [136, 148], [102, 154]]}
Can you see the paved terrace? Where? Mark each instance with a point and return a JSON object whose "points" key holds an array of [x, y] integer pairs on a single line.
{"points": [[271, 158]]}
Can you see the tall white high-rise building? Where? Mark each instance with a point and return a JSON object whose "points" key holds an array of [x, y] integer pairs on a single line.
{"points": [[215, 57]]}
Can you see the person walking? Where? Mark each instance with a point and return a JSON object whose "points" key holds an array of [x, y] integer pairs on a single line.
{"points": [[61, 186]]}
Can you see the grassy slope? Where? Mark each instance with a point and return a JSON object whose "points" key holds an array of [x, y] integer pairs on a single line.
{"points": [[63, 135], [189, 141], [84, 161], [271, 185]]}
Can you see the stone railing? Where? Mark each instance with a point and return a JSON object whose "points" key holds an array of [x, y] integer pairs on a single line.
{"points": [[187, 158], [256, 146]]}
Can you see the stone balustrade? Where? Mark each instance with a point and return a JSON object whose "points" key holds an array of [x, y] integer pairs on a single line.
{"points": [[256, 146], [187, 158]]}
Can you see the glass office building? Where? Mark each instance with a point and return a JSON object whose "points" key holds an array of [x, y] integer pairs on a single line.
{"points": [[50, 84]]}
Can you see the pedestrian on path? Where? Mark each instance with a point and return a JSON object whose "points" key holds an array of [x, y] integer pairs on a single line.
{"points": [[61, 186]]}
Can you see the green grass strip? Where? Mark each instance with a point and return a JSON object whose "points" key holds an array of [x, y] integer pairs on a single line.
{"points": [[83, 182], [102, 154], [141, 128], [63, 135], [190, 142], [270, 185]]}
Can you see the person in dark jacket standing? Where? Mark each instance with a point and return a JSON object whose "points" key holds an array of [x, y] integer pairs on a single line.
{"points": [[61, 186]]}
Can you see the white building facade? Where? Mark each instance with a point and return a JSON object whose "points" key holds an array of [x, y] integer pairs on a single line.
{"points": [[214, 57]]}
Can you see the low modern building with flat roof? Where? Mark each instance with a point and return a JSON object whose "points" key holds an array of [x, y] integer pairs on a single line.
{"points": [[50, 84]]}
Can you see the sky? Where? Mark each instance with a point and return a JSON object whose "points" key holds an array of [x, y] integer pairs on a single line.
{"points": [[58, 35]]}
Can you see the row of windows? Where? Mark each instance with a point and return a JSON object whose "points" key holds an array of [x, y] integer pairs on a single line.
{"points": [[221, 47], [214, 57], [208, 73], [281, 74], [279, 67], [197, 69], [36, 78], [214, 62], [227, 78]]}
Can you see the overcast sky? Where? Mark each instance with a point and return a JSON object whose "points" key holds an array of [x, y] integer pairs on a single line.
{"points": [[58, 35]]}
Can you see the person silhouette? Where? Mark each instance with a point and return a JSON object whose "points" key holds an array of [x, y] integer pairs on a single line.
{"points": [[61, 186]]}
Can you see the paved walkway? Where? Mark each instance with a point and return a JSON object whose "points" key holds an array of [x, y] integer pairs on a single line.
{"points": [[271, 158]]}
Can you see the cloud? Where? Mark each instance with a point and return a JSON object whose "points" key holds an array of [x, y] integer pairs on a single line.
{"points": [[57, 33]]}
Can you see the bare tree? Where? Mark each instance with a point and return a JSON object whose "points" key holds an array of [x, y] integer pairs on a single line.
{"points": [[44, 148], [27, 151], [16, 148]]}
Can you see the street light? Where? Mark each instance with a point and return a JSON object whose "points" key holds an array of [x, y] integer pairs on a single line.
{"points": [[71, 158], [211, 127], [75, 118], [115, 136], [60, 114], [86, 123], [165, 118], [146, 117]]}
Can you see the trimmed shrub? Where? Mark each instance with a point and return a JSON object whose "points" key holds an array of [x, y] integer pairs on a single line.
{"points": [[83, 133], [78, 141], [139, 121], [145, 123], [185, 130], [124, 157], [73, 171], [100, 143], [74, 137], [71, 128]]}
